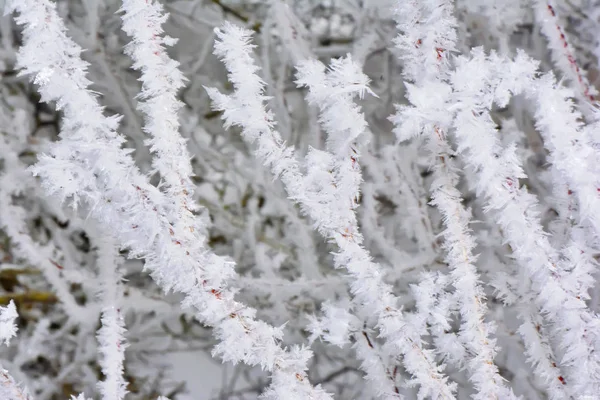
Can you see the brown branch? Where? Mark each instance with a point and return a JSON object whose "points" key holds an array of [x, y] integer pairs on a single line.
{"points": [[229, 10], [29, 297]]}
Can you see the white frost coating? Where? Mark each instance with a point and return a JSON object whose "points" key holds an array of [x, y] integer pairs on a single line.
{"points": [[161, 80], [8, 328], [88, 164], [479, 82], [110, 336], [428, 35], [562, 51], [9, 388], [328, 191], [408, 293]]}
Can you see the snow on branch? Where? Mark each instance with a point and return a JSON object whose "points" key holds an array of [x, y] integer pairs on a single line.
{"points": [[8, 328], [330, 206], [419, 327], [88, 165], [478, 83], [111, 334], [540, 353], [13, 219], [161, 80], [562, 51], [9, 388], [427, 37], [571, 155], [333, 91], [345, 125]]}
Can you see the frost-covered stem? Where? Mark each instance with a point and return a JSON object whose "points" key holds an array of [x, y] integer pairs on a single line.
{"points": [[434, 308], [571, 155], [576, 185], [9, 389], [431, 303], [161, 79], [16, 181], [515, 291], [344, 124], [8, 328], [12, 220], [317, 193], [89, 164], [539, 351], [428, 35], [111, 335], [478, 82], [382, 380], [576, 253], [459, 244], [376, 236], [565, 205], [338, 326], [577, 260], [561, 51], [343, 121], [398, 178]]}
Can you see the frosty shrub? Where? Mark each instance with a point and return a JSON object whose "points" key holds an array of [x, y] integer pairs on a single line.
{"points": [[333, 199]]}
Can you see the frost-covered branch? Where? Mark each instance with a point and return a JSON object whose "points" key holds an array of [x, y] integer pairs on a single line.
{"points": [[562, 52], [328, 191], [8, 328], [9, 388], [478, 83], [16, 181], [572, 156], [540, 354], [89, 165], [428, 36], [463, 230], [111, 334], [161, 80]]}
